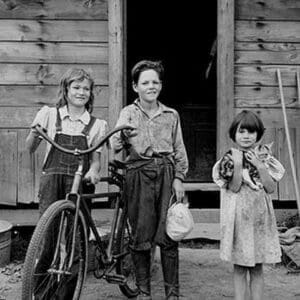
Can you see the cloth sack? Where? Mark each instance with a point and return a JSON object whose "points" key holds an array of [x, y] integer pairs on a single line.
{"points": [[179, 221]]}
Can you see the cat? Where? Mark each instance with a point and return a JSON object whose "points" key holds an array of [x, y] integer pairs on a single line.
{"points": [[250, 175]]}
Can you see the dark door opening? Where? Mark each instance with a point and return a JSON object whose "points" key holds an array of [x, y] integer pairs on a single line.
{"points": [[180, 35]]}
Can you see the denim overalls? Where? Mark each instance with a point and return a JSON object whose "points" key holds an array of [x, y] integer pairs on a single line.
{"points": [[55, 183], [59, 168]]}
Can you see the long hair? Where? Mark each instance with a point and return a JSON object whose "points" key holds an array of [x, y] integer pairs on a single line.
{"points": [[74, 74]]}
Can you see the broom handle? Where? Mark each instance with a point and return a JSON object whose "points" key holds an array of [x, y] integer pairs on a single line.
{"points": [[288, 140]]}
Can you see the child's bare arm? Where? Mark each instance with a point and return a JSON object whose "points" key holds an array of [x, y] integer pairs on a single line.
{"points": [[32, 141], [266, 180], [235, 184], [93, 173]]}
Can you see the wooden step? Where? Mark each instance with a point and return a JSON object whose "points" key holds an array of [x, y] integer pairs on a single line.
{"points": [[29, 217], [200, 186]]}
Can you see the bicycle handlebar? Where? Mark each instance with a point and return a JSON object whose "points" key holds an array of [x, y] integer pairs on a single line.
{"points": [[79, 152]]}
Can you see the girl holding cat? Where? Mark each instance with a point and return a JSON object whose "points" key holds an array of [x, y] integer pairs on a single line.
{"points": [[249, 235]]}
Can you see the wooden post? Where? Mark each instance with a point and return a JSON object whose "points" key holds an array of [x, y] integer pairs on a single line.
{"points": [[225, 64], [115, 60], [298, 86], [288, 140]]}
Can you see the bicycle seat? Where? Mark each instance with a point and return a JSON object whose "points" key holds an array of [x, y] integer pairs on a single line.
{"points": [[117, 164]]}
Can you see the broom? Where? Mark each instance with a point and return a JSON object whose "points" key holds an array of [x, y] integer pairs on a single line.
{"points": [[289, 140]]}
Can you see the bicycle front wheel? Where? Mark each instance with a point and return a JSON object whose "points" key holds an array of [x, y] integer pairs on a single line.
{"points": [[125, 265], [48, 273]]}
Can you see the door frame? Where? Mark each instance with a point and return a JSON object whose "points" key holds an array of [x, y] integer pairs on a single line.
{"points": [[225, 72], [225, 66]]}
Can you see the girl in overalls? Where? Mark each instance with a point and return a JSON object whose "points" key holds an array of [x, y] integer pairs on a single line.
{"points": [[71, 125], [156, 166]]}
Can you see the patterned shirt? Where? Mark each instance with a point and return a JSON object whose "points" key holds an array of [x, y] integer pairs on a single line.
{"points": [[159, 134], [46, 117]]}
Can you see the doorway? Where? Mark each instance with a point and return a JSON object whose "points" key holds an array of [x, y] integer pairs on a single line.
{"points": [[182, 38]]}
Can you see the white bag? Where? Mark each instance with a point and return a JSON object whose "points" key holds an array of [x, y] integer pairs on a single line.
{"points": [[179, 221]]}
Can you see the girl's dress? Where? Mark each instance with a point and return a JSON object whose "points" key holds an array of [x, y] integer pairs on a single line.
{"points": [[248, 226]]}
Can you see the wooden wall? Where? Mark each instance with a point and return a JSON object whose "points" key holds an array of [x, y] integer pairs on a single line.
{"points": [[267, 37], [39, 41]]}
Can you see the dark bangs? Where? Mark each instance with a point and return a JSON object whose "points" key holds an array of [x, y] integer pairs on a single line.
{"points": [[247, 120]]}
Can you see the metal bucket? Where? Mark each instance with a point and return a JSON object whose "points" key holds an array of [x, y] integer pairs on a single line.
{"points": [[5, 242]]}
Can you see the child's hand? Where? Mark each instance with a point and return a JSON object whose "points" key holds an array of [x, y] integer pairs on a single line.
{"points": [[93, 176], [251, 157], [129, 132]]}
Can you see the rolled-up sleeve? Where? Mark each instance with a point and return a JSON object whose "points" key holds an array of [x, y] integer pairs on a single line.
{"points": [[180, 155], [117, 140], [42, 117]]}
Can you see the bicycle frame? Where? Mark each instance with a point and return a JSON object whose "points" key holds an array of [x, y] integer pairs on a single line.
{"points": [[116, 179]]}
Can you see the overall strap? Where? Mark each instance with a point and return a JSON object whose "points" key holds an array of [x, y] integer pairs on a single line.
{"points": [[87, 128], [58, 121]]}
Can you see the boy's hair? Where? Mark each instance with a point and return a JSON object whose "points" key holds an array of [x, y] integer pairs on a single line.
{"points": [[247, 120], [144, 65], [74, 74]]}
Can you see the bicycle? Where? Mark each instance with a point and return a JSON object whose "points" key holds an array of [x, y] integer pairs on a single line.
{"points": [[60, 239]]}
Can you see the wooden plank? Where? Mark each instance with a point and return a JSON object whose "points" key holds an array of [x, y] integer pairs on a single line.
{"points": [[29, 169], [261, 96], [12, 52], [29, 217], [225, 77], [116, 62], [48, 74], [8, 167], [26, 174], [200, 186], [273, 118], [267, 53], [53, 9], [36, 95], [54, 30], [267, 31], [22, 117], [268, 9], [264, 75]]}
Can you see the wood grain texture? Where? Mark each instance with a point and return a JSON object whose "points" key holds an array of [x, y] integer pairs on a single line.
{"points": [[268, 9], [54, 9], [47, 74], [267, 31], [225, 64], [267, 53], [264, 75], [22, 117], [12, 52], [116, 61], [53, 31], [261, 96], [37, 95], [8, 166]]}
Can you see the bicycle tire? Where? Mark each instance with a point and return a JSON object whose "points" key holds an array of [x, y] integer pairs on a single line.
{"points": [[124, 264], [49, 283]]}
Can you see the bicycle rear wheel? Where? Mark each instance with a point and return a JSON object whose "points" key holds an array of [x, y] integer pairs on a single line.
{"points": [[46, 273], [124, 263]]}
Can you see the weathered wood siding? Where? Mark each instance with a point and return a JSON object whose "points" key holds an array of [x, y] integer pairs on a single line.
{"points": [[267, 37], [39, 41]]}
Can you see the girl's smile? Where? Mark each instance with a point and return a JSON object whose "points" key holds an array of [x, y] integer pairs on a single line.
{"points": [[245, 139], [79, 93]]}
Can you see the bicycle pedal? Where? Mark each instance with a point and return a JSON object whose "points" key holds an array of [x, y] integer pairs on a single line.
{"points": [[115, 278]]}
